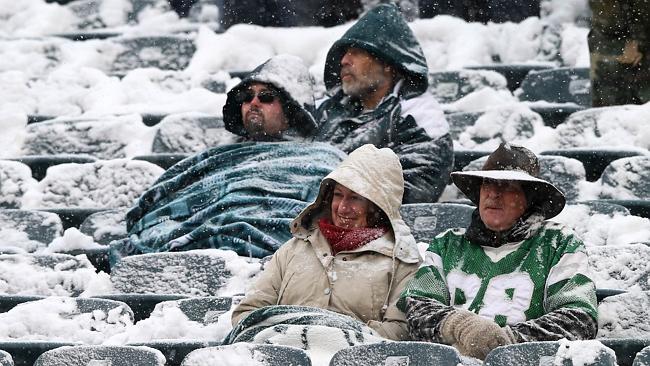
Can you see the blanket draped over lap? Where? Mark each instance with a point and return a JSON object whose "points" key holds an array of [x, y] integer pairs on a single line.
{"points": [[313, 329], [240, 197]]}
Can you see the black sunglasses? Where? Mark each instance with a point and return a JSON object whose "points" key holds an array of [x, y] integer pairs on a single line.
{"points": [[265, 96]]}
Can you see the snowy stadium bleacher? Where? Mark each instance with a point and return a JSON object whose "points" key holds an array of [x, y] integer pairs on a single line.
{"points": [[99, 97]]}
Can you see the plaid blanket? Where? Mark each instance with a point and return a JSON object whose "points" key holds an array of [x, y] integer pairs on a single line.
{"points": [[318, 331], [240, 197]]}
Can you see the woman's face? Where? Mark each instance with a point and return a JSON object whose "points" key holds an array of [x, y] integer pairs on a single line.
{"points": [[349, 209]]}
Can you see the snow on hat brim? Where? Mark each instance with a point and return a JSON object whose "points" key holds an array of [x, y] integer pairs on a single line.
{"points": [[547, 197]]}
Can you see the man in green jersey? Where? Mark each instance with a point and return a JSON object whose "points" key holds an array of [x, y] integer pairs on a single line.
{"points": [[511, 276]]}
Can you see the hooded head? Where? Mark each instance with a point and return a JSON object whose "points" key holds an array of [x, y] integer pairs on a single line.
{"points": [[384, 33], [376, 174], [288, 77], [513, 163]]}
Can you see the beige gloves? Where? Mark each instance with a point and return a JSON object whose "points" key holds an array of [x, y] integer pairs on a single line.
{"points": [[472, 334]]}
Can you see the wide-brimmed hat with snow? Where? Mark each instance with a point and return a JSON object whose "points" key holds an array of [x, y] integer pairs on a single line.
{"points": [[515, 163]]}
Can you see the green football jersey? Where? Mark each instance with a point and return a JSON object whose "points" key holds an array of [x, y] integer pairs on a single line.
{"points": [[512, 283]]}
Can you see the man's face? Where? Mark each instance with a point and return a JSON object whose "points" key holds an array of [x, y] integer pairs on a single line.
{"points": [[261, 112], [501, 203], [362, 73]]}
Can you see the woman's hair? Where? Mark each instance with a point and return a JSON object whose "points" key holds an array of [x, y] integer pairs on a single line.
{"points": [[376, 217]]}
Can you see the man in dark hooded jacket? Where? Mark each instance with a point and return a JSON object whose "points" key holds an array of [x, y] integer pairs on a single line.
{"points": [[240, 196], [377, 77]]}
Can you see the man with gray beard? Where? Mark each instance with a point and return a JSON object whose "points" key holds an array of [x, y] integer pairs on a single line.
{"points": [[377, 81]]}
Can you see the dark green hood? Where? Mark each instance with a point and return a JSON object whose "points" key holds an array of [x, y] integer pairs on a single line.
{"points": [[291, 77], [384, 33]]}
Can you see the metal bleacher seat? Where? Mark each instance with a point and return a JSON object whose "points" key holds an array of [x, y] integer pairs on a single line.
{"points": [[15, 180], [38, 228], [397, 353], [449, 86], [642, 358], [45, 274], [246, 354], [605, 128], [594, 160], [145, 280], [105, 226], [25, 353], [104, 138], [190, 133], [626, 349], [551, 353], [622, 267], [5, 359], [514, 73], [101, 355], [77, 320], [165, 52], [175, 351], [194, 273], [427, 220], [625, 315], [97, 186], [504, 123], [627, 182], [560, 85]]}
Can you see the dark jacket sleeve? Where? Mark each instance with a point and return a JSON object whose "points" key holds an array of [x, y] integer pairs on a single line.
{"points": [[570, 323], [426, 162]]}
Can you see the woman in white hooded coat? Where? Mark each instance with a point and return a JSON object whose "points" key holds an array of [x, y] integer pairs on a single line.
{"points": [[351, 252]]}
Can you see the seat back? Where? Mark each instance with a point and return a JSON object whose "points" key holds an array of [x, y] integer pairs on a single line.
{"points": [[101, 355], [427, 220], [197, 273], [15, 180], [247, 354], [565, 353], [28, 230], [174, 350], [605, 128], [624, 316], [561, 85], [625, 348], [627, 178], [67, 319], [45, 274], [600, 223], [25, 353], [642, 358], [514, 73], [594, 160], [397, 353], [165, 52], [105, 138], [449, 86], [204, 309], [190, 133], [621, 266], [564, 173], [100, 185], [105, 226], [5, 359]]}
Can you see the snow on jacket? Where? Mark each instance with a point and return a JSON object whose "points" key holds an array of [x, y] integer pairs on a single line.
{"points": [[364, 283], [539, 287], [290, 76], [409, 120]]}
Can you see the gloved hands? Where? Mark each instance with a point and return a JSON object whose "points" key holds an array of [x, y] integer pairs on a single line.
{"points": [[472, 334]]}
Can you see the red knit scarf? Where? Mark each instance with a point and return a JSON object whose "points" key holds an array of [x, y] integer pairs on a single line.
{"points": [[341, 239]]}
